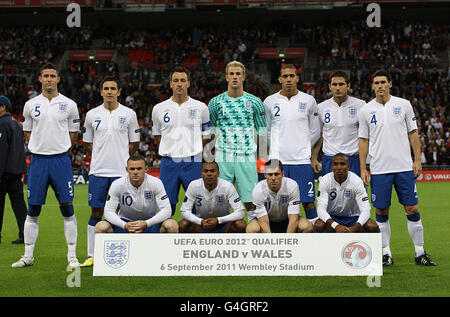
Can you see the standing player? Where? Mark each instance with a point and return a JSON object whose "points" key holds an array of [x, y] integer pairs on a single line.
{"points": [[342, 202], [208, 203], [277, 201], [385, 124], [181, 128], [339, 122], [112, 135], [236, 115], [51, 126], [293, 127], [12, 166], [142, 203]]}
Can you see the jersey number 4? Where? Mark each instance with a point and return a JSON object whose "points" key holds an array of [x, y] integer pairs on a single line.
{"points": [[374, 119]]}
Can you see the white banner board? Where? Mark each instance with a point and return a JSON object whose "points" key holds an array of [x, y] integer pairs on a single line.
{"points": [[282, 254]]}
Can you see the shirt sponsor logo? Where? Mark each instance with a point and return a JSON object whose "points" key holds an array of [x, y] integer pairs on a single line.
{"points": [[356, 255]]}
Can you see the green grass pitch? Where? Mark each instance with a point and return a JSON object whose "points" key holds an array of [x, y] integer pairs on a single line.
{"points": [[48, 276]]}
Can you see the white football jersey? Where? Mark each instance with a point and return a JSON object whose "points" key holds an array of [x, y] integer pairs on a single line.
{"points": [[181, 127], [293, 127], [343, 200], [276, 205], [149, 202], [110, 134], [50, 123], [212, 204], [340, 125], [387, 129]]}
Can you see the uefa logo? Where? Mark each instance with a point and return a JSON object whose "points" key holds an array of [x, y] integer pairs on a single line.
{"points": [[356, 255]]}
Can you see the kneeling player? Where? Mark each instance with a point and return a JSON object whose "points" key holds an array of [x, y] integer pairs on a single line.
{"points": [[208, 203], [142, 202], [277, 201], [342, 202]]}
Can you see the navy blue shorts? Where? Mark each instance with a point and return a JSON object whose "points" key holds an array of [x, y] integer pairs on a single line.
{"points": [[53, 170], [176, 173], [304, 176], [98, 190], [404, 184], [345, 221], [279, 227], [353, 160]]}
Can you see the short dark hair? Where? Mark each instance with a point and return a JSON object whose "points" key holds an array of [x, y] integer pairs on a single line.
{"points": [[137, 157], [382, 72], [110, 78], [180, 69], [47, 66], [342, 155], [289, 66], [274, 163], [211, 162], [340, 73]]}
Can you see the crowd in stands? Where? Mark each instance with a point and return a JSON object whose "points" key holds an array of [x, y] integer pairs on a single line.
{"points": [[407, 50]]}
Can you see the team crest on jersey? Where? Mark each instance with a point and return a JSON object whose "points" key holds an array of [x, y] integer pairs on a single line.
{"points": [[248, 105], [284, 199], [62, 107], [352, 112], [116, 253], [396, 111], [148, 195], [220, 199], [302, 106], [122, 122], [193, 113], [347, 193]]}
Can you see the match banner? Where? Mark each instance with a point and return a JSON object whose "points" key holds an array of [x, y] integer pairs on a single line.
{"points": [[434, 176], [276, 254]]}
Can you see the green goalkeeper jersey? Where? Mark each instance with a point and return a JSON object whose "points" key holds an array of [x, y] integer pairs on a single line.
{"points": [[235, 121]]}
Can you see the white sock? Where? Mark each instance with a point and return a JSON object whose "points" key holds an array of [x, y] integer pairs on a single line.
{"points": [[30, 234], [71, 233], [415, 229], [90, 240], [385, 229]]}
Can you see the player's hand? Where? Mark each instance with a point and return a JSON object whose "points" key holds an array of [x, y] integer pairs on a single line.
{"points": [[417, 167], [365, 177], [137, 226], [316, 166], [129, 227], [342, 229], [210, 223]]}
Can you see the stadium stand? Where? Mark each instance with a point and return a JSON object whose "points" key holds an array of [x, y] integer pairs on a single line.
{"points": [[416, 53]]}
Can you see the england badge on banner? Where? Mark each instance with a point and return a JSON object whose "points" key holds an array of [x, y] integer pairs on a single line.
{"points": [[116, 253]]}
